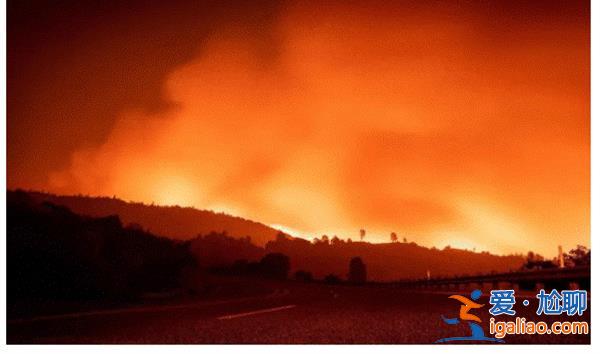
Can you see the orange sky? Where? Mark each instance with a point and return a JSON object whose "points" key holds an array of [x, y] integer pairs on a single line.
{"points": [[448, 124]]}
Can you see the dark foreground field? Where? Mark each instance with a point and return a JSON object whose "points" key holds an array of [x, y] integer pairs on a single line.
{"points": [[293, 313]]}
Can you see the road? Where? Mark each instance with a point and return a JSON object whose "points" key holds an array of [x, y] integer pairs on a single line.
{"points": [[293, 313]]}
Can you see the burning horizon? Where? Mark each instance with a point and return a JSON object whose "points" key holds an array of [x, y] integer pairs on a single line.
{"points": [[448, 124]]}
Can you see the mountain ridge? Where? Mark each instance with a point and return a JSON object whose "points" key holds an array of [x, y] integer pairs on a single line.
{"points": [[181, 223], [221, 245]]}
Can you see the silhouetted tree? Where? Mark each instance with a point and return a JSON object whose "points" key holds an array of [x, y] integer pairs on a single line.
{"points": [[534, 257], [55, 254], [332, 279], [358, 271], [536, 261], [393, 237], [325, 239], [404, 240], [336, 241], [220, 250], [579, 256], [275, 265], [363, 233]]}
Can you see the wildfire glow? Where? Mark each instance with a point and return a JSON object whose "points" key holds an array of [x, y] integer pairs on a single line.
{"points": [[455, 127]]}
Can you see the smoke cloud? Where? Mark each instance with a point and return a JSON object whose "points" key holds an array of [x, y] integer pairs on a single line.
{"points": [[440, 125]]}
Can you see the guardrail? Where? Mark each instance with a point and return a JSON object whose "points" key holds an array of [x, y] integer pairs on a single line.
{"points": [[576, 277]]}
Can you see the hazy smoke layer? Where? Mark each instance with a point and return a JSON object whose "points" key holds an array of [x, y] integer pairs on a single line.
{"points": [[442, 125]]}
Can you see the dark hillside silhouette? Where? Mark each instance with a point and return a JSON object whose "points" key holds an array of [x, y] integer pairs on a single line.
{"points": [[275, 265], [221, 250], [322, 257], [170, 221], [389, 261], [54, 254]]}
